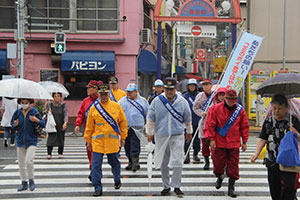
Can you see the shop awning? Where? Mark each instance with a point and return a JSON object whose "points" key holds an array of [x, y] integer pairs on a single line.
{"points": [[83, 61], [178, 69], [147, 63], [199, 78], [3, 60]]}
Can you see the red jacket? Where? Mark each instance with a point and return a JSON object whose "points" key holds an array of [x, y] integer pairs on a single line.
{"points": [[217, 116], [82, 110]]}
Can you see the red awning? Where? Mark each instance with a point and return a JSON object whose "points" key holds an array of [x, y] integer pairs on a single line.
{"points": [[193, 76]]}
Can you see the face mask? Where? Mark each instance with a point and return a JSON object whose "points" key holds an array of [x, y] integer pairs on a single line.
{"points": [[24, 106]]}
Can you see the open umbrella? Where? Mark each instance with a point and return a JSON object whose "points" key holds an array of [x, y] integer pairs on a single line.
{"points": [[55, 87], [22, 88], [287, 84], [149, 148]]}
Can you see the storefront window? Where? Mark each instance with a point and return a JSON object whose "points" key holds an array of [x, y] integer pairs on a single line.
{"points": [[7, 14], [97, 9], [75, 83], [42, 11]]}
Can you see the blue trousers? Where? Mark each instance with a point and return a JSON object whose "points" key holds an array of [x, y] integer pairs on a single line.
{"points": [[8, 130], [132, 144], [196, 143], [113, 161]]}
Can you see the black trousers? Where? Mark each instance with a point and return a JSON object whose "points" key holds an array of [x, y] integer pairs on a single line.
{"points": [[60, 149], [279, 190]]}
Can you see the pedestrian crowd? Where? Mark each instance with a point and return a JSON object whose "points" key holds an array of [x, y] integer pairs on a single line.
{"points": [[211, 120]]}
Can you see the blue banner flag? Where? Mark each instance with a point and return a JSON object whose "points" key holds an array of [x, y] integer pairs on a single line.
{"points": [[241, 61]]}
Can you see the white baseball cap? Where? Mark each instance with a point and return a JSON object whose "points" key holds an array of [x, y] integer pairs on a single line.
{"points": [[158, 82], [192, 81]]}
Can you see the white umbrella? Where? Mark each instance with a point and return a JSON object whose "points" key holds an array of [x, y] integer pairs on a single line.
{"points": [[22, 88], [55, 87], [149, 148]]}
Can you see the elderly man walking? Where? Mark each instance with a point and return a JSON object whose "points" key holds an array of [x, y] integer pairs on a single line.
{"points": [[135, 108], [92, 88], [226, 124], [106, 121], [167, 116]]}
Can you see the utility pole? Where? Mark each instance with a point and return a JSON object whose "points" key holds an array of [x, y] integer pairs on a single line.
{"points": [[20, 37]]}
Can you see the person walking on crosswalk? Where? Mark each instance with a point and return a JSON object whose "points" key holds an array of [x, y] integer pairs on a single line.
{"points": [[135, 108], [168, 115], [199, 107], [59, 111], [92, 89], [106, 122], [190, 96], [281, 183], [226, 124], [158, 89], [24, 121]]}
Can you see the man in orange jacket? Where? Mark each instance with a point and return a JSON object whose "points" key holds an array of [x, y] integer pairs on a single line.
{"points": [[226, 123], [106, 122], [92, 88]]}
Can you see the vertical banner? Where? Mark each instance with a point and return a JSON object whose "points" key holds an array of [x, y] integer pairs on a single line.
{"points": [[241, 61]]}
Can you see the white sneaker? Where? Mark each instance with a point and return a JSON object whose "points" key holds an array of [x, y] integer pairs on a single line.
{"points": [[12, 145]]}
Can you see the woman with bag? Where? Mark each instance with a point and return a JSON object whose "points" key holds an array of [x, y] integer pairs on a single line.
{"points": [[59, 111], [24, 121], [273, 130]]}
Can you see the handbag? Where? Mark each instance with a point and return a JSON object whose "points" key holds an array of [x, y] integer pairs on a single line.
{"points": [[50, 125], [263, 153], [289, 169], [38, 129], [288, 154]]}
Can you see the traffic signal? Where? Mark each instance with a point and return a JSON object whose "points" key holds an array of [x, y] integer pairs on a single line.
{"points": [[60, 42]]}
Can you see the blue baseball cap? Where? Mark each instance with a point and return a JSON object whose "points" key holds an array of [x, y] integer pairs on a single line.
{"points": [[158, 82], [131, 87]]}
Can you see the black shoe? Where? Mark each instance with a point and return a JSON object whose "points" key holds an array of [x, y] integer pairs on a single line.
{"points": [[118, 185], [206, 166], [187, 159], [195, 157], [129, 166], [5, 143], [135, 163], [231, 188], [97, 193], [165, 192], [219, 182], [90, 177], [178, 192]]}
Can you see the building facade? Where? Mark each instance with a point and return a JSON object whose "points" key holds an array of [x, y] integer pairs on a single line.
{"points": [[266, 19], [103, 40]]}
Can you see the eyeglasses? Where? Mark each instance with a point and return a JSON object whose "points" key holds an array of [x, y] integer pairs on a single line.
{"points": [[103, 93]]}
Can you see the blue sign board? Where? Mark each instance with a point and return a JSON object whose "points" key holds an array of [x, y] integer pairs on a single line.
{"points": [[83, 61], [197, 8], [3, 60]]}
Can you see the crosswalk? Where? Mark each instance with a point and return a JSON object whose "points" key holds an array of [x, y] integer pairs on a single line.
{"points": [[67, 178]]}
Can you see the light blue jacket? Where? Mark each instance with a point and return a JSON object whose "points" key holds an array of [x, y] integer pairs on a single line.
{"points": [[165, 123], [133, 115]]}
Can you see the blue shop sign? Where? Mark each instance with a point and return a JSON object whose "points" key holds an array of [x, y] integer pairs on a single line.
{"points": [[3, 61], [83, 61]]}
